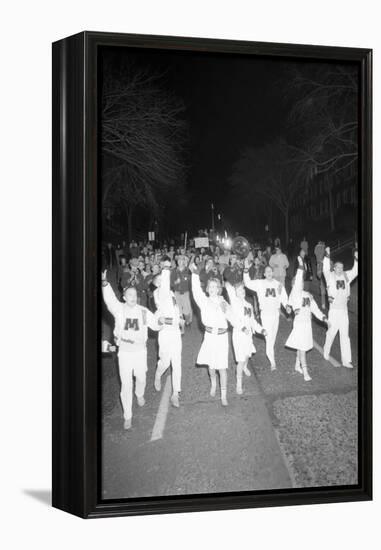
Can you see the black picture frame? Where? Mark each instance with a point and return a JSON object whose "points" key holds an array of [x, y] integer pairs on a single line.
{"points": [[76, 387]]}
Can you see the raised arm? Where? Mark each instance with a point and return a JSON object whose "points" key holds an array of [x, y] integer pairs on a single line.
{"points": [[252, 284], [327, 265], [163, 292], [352, 273], [156, 298], [166, 278], [296, 292], [198, 294], [231, 292], [111, 301], [154, 322]]}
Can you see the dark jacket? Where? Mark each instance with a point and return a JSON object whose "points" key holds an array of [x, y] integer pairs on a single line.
{"points": [[180, 280]]}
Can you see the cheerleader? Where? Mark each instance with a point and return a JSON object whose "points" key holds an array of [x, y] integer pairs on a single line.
{"points": [[131, 332], [244, 327], [170, 344], [215, 312], [339, 290], [271, 295], [303, 305]]}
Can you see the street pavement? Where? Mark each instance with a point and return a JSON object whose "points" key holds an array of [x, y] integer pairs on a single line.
{"points": [[282, 432]]}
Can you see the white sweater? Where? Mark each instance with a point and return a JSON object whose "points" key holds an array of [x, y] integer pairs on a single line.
{"points": [[131, 323], [271, 294], [339, 286]]}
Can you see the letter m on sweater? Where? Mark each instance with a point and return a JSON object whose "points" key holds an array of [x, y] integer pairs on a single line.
{"points": [[270, 292], [132, 324]]}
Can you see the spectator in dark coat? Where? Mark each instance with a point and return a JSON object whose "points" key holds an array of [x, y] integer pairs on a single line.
{"points": [[233, 274]]}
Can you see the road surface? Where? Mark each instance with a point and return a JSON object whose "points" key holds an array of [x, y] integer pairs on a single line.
{"points": [[281, 433]]}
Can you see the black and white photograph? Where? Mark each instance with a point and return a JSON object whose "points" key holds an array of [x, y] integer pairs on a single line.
{"points": [[228, 263], [187, 216]]}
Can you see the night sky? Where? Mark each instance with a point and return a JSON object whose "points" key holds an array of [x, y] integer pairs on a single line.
{"points": [[232, 101]]}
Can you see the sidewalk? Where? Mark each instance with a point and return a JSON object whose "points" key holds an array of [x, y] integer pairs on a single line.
{"points": [[316, 422]]}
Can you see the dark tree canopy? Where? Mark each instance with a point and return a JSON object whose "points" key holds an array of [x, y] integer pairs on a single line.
{"points": [[143, 137], [270, 173], [320, 140], [323, 118]]}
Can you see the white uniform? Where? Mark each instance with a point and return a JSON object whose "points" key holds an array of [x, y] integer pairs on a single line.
{"points": [[304, 305], [271, 294], [131, 333], [214, 349], [338, 289], [170, 344], [244, 325]]}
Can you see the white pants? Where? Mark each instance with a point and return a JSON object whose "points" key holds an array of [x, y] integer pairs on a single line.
{"points": [[132, 364], [270, 322], [184, 303], [170, 345], [339, 322]]}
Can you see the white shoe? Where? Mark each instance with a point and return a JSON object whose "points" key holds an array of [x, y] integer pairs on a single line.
{"points": [[273, 366], [348, 365], [246, 371], [157, 382], [298, 368], [175, 400], [326, 356], [307, 377], [127, 423], [224, 402], [239, 390], [141, 401]]}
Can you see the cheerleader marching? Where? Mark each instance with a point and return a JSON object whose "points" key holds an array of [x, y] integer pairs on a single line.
{"points": [[303, 305], [222, 306]]}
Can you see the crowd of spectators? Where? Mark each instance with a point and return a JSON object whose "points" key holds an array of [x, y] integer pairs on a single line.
{"points": [[137, 263]]}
